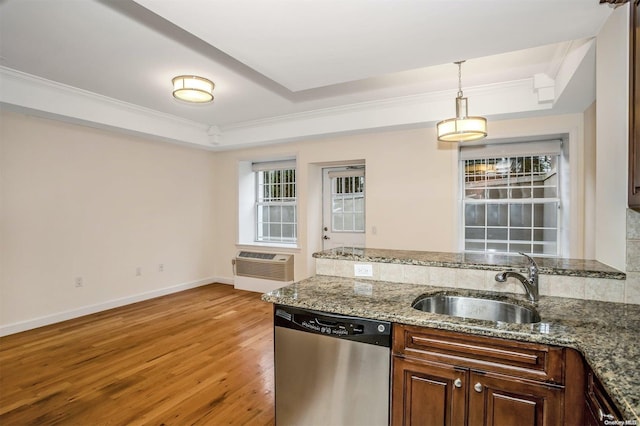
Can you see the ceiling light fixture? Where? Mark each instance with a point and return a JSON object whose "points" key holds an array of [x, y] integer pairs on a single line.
{"points": [[462, 128], [191, 88], [614, 3]]}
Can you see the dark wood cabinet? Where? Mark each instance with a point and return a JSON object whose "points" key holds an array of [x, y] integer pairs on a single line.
{"points": [[448, 378], [599, 409], [634, 110], [428, 393], [502, 400]]}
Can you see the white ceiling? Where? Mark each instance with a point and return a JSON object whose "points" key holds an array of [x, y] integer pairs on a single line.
{"points": [[291, 69]]}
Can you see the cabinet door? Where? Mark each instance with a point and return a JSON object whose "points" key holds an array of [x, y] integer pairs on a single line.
{"points": [[427, 393], [599, 403], [501, 400], [590, 418]]}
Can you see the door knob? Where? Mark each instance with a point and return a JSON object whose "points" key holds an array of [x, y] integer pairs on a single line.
{"points": [[324, 237], [477, 387], [325, 229], [457, 383]]}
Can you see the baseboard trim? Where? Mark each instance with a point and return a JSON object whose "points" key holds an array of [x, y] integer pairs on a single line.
{"points": [[20, 326], [223, 280]]}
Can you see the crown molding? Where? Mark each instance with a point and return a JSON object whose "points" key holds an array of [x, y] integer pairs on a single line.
{"points": [[417, 99], [62, 102], [50, 99], [421, 110]]}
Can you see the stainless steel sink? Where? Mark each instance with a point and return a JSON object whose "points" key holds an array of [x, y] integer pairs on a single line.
{"points": [[477, 308]]}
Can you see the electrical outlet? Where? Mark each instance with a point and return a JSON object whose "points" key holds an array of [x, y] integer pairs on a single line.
{"points": [[363, 289], [79, 282], [138, 271], [161, 267], [363, 270]]}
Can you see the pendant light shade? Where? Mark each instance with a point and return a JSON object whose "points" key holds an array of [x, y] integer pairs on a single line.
{"points": [[191, 88], [461, 128]]}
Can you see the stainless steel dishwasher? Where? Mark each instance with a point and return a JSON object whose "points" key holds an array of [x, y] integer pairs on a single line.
{"points": [[330, 369]]}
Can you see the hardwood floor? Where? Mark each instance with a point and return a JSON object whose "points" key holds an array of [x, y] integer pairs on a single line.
{"points": [[202, 356]]}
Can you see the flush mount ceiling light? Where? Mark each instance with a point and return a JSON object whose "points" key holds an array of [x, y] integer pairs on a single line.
{"points": [[462, 128], [191, 88], [614, 3]]}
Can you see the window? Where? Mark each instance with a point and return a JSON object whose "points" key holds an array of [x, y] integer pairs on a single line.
{"points": [[511, 203], [276, 210], [347, 203]]}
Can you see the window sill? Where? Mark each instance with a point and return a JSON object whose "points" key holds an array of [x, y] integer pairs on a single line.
{"points": [[293, 248]]}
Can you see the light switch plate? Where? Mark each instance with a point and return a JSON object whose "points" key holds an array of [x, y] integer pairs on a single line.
{"points": [[363, 270]]}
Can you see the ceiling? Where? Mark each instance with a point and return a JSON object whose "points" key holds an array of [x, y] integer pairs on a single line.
{"points": [[294, 69]]}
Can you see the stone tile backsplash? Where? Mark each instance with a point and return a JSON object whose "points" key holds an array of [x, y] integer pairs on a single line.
{"points": [[633, 225], [609, 290], [632, 287]]}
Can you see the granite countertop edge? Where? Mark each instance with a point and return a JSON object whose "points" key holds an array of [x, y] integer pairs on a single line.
{"points": [[547, 266], [615, 361]]}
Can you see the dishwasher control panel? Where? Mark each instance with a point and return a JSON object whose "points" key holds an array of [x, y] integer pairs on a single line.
{"points": [[341, 326]]}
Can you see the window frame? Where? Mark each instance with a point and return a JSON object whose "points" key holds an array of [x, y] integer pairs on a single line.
{"points": [[277, 200], [344, 196], [512, 151]]}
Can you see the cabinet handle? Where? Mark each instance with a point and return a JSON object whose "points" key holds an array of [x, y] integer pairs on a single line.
{"points": [[457, 383], [477, 387], [602, 415]]}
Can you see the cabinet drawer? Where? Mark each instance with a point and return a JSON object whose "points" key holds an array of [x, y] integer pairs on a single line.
{"points": [[527, 360]]}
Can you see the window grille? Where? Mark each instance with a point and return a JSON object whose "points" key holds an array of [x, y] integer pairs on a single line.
{"points": [[511, 204], [276, 206], [347, 204]]}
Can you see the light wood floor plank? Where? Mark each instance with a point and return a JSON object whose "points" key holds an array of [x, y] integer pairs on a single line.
{"points": [[202, 356]]}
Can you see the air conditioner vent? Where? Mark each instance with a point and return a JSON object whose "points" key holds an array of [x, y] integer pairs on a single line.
{"points": [[253, 255], [268, 266]]}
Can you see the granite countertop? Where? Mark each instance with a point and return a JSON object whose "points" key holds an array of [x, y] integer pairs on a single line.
{"points": [[607, 334], [492, 262]]}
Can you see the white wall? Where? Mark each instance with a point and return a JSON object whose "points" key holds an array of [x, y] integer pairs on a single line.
{"points": [[590, 182], [82, 202], [612, 111]]}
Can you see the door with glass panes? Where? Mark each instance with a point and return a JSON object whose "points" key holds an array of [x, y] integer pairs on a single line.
{"points": [[343, 207]]}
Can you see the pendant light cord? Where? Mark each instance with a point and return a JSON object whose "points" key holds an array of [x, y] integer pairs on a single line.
{"points": [[459, 78]]}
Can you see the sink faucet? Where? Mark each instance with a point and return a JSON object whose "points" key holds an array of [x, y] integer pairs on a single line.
{"points": [[530, 283]]}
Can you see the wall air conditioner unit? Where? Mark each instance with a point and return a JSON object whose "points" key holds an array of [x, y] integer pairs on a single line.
{"points": [[262, 272]]}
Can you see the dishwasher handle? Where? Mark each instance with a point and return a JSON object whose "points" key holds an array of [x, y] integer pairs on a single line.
{"points": [[326, 323]]}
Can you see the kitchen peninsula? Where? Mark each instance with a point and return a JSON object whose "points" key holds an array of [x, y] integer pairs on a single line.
{"points": [[604, 333]]}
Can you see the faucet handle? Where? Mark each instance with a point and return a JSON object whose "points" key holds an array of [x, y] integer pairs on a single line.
{"points": [[530, 259], [533, 266]]}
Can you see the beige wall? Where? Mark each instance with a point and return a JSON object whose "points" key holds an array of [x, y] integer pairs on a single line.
{"points": [[412, 187], [81, 202], [409, 181]]}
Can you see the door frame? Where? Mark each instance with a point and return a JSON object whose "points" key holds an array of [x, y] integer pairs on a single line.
{"points": [[326, 198]]}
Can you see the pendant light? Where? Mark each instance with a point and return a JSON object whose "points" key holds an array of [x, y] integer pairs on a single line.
{"points": [[191, 88], [462, 128]]}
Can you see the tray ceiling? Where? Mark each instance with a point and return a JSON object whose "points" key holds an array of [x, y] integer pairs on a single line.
{"points": [[284, 65]]}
